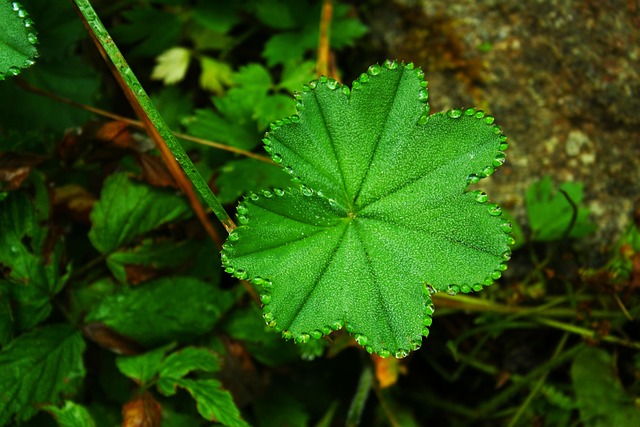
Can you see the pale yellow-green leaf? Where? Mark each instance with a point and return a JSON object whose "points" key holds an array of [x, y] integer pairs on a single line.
{"points": [[215, 75], [171, 65]]}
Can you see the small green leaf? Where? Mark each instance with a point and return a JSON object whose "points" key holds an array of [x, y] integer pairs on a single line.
{"points": [[38, 368], [381, 217], [172, 65], [127, 209], [239, 177], [550, 212], [213, 402], [599, 395], [215, 76], [182, 362], [172, 308], [144, 367], [71, 415], [17, 39], [152, 30]]}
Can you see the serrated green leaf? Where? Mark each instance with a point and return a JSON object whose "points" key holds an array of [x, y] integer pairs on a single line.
{"points": [[382, 217], [295, 75], [143, 368], [182, 362], [127, 209], [158, 255], [38, 368], [215, 75], [599, 395], [239, 177], [34, 273], [151, 30], [213, 402], [550, 212], [287, 47], [71, 414], [17, 39], [171, 65], [172, 308], [254, 77]]}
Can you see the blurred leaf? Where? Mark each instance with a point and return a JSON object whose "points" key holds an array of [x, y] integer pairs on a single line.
{"points": [[280, 408], [171, 65], [281, 14], [71, 414], [151, 30], [345, 28], [272, 108], [127, 209], [239, 177], [17, 39], [297, 74], [287, 47], [216, 16], [210, 125], [599, 395], [144, 367], [174, 105], [34, 266], [142, 411], [550, 212], [38, 368], [155, 255], [6, 317], [253, 77], [182, 362], [213, 402], [172, 308], [215, 75]]}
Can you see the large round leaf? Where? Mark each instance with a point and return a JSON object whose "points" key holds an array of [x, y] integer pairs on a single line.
{"points": [[381, 216], [17, 39]]}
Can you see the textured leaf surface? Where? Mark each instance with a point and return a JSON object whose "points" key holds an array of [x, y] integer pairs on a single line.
{"points": [[37, 368], [213, 402], [71, 415], [127, 209], [163, 310], [381, 217], [17, 39], [239, 177], [599, 395], [142, 368]]}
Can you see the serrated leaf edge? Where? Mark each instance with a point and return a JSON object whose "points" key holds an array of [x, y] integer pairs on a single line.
{"points": [[32, 38], [264, 284]]}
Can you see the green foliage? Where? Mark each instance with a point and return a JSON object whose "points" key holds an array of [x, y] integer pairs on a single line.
{"points": [[127, 209], [550, 212], [71, 415], [51, 355], [599, 395], [17, 41], [374, 224]]}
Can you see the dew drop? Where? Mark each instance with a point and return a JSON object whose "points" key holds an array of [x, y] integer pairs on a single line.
{"points": [[454, 113], [364, 78], [496, 275], [427, 321], [229, 270], [472, 178], [479, 114], [295, 118], [400, 353], [423, 95], [430, 289], [425, 332], [487, 171], [266, 141], [506, 255], [326, 330], [265, 298], [28, 23], [15, 6], [409, 66], [268, 149], [257, 280], [369, 349], [278, 191], [424, 84], [14, 249], [469, 112], [242, 209], [384, 353], [316, 334], [502, 267], [268, 194], [361, 339], [346, 90], [268, 317], [289, 170], [392, 65], [499, 160], [510, 240], [429, 310], [489, 119], [477, 287], [254, 197], [374, 70], [481, 196], [13, 71], [494, 209], [243, 219], [356, 85], [332, 84], [465, 289], [496, 129], [22, 13], [240, 274], [313, 84], [423, 119], [503, 146], [306, 190], [336, 325], [32, 38], [506, 227], [287, 335], [419, 73]]}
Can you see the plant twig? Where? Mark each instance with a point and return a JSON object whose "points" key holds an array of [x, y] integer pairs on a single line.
{"points": [[169, 147], [360, 398], [322, 66], [136, 123]]}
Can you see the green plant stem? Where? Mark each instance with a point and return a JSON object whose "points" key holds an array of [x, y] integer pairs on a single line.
{"points": [[149, 115], [538, 386], [360, 398], [586, 333]]}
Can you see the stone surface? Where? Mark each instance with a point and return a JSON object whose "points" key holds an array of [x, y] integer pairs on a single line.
{"points": [[562, 78]]}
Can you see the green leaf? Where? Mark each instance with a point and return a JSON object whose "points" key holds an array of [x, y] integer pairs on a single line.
{"points": [[152, 31], [599, 395], [216, 16], [144, 367], [174, 105], [213, 402], [158, 255], [182, 362], [550, 212], [382, 217], [17, 39], [38, 368], [71, 415], [172, 308], [172, 65], [127, 209], [215, 76], [239, 177]]}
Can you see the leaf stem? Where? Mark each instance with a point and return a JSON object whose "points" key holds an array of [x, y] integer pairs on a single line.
{"points": [[322, 66], [360, 398], [171, 150]]}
